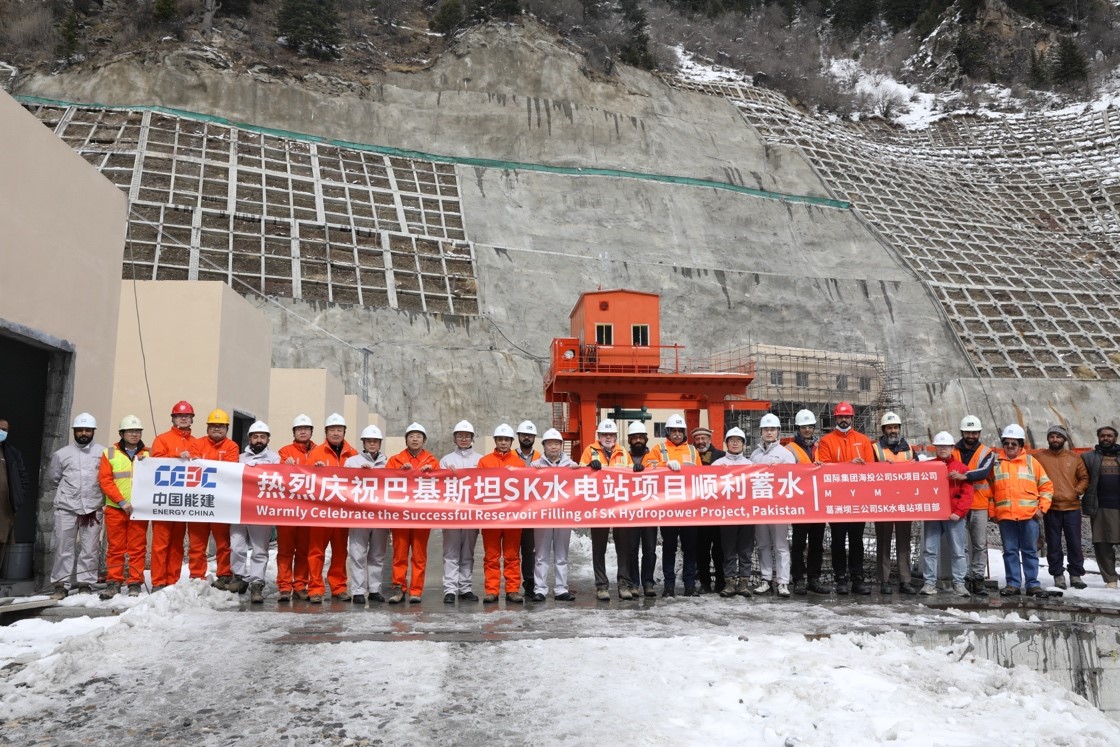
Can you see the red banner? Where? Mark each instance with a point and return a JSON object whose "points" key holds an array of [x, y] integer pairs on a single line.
{"points": [[168, 489]]}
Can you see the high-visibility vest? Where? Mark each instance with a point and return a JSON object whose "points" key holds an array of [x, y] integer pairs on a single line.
{"points": [[886, 455], [1019, 488], [693, 454], [122, 472], [799, 453], [982, 489]]}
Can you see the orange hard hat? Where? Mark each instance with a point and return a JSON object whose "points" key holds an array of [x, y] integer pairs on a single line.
{"points": [[182, 408], [843, 408]]}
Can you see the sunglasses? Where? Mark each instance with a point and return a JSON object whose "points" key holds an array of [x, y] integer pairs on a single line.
{"points": [[1010, 443]]}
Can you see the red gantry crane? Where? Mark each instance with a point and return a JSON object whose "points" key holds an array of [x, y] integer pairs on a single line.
{"points": [[615, 359]]}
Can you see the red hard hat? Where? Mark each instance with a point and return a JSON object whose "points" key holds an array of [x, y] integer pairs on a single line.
{"points": [[182, 408], [843, 408]]}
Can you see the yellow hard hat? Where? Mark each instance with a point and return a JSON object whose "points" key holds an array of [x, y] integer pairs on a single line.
{"points": [[217, 417]]}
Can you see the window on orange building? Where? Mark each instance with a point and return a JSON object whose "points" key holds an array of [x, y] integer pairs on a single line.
{"points": [[604, 334]]}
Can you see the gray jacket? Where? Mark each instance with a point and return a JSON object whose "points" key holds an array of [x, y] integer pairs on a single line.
{"points": [[1089, 501], [72, 474], [268, 456], [365, 460]]}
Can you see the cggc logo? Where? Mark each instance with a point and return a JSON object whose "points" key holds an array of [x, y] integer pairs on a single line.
{"points": [[183, 476]]}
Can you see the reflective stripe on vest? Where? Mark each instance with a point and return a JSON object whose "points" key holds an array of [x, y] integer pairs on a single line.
{"points": [[886, 455], [692, 452], [122, 473], [1023, 473]]}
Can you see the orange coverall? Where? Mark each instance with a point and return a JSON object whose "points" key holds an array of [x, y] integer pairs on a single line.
{"points": [[125, 536], [167, 536], [292, 541], [501, 546], [199, 531], [415, 540], [320, 537]]}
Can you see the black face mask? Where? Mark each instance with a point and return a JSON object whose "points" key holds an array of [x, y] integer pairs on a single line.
{"points": [[639, 450], [257, 448]]}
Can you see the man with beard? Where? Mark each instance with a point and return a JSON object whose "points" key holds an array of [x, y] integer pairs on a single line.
{"points": [[980, 460], [806, 536], [252, 539], [643, 539], [892, 447], [606, 452], [709, 539], [1021, 494], [1101, 501], [78, 502], [845, 444], [1070, 477], [526, 437], [459, 544]]}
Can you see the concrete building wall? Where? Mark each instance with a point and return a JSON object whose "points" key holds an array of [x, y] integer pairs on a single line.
{"points": [[314, 392], [202, 343], [63, 228]]}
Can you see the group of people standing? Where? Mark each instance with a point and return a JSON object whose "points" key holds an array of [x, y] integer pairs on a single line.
{"points": [[1021, 491]]}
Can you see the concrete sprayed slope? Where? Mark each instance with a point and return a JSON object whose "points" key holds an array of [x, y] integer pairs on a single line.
{"points": [[729, 266]]}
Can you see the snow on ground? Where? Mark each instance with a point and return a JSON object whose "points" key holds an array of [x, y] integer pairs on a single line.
{"points": [[192, 666]]}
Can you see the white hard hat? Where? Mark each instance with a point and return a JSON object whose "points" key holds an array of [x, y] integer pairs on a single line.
{"points": [[607, 426], [804, 417], [463, 426], [302, 421], [417, 428], [551, 435], [890, 418], [637, 428], [504, 431], [675, 421], [84, 420], [371, 431], [769, 420], [944, 438], [970, 423], [334, 419], [131, 423], [527, 427], [1014, 431], [736, 433], [260, 427]]}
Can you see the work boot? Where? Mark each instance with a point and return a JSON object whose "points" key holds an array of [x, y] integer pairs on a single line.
{"points": [[1036, 591], [567, 596], [342, 596], [1060, 581], [59, 592], [415, 598], [860, 587], [315, 598], [538, 597], [237, 584], [111, 590], [358, 600], [885, 589], [376, 597], [690, 591], [843, 586], [514, 597], [799, 587], [219, 583], [302, 594], [623, 594], [284, 596], [1110, 585], [469, 596], [980, 587], [490, 599], [449, 598], [669, 591], [1077, 583], [907, 589], [85, 589], [817, 587], [134, 590], [1009, 591], [649, 591], [961, 590], [730, 588], [256, 592], [602, 595], [397, 596]]}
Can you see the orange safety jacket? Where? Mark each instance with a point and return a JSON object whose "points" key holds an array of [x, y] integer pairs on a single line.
{"points": [[297, 452], [172, 443], [1020, 487], [799, 453], [981, 489], [667, 451], [836, 447], [325, 454], [618, 457], [421, 460], [886, 455], [223, 451], [114, 474], [495, 459]]}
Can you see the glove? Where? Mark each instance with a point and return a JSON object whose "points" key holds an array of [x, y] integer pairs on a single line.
{"points": [[87, 520], [596, 465], [126, 506], [639, 467], [674, 465]]}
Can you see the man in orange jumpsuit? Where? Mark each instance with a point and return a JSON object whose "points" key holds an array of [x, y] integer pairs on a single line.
{"points": [[333, 452], [845, 444], [414, 457], [125, 536], [292, 541], [215, 447], [502, 546], [167, 536]]}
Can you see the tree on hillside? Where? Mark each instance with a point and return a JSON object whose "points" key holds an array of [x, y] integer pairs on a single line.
{"points": [[310, 27], [69, 40], [636, 50], [1070, 65], [484, 10], [240, 8], [447, 18], [853, 15]]}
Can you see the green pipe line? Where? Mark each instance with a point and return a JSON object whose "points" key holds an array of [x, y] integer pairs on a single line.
{"points": [[488, 163]]}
